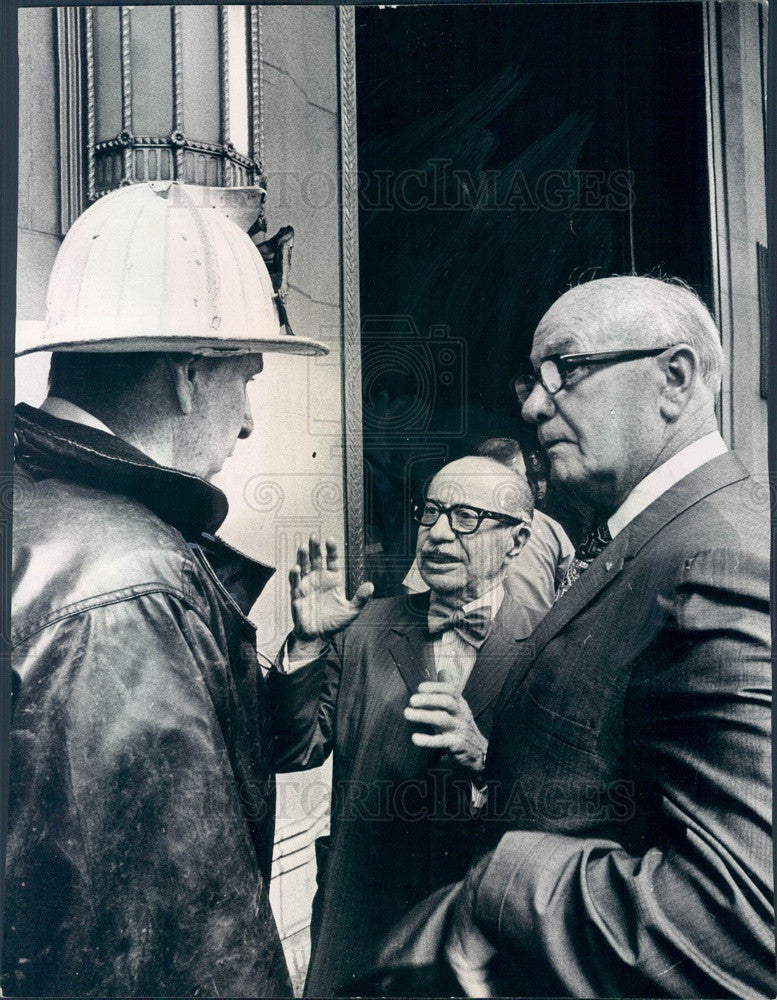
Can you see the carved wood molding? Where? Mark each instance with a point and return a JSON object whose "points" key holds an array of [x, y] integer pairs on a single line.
{"points": [[126, 92], [718, 228], [70, 26], [733, 75], [256, 94], [178, 131], [91, 189], [351, 337]]}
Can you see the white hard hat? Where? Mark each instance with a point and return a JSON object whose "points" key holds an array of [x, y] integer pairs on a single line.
{"points": [[156, 267]]}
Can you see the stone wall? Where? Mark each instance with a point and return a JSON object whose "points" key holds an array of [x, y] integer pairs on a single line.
{"points": [[736, 52], [39, 232]]}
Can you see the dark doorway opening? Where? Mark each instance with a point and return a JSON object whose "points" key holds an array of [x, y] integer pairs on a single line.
{"points": [[506, 152]]}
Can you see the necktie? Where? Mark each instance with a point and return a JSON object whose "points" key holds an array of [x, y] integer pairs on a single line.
{"points": [[594, 543], [472, 626]]}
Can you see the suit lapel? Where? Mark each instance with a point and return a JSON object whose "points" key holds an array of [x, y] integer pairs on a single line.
{"points": [[495, 657], [411, 651], [599, 574], [708, 478], [408, 645], [712, 476]]}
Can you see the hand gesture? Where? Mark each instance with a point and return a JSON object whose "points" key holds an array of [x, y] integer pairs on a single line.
{"points": [[437, 704], [467, 950], [319, 606]]}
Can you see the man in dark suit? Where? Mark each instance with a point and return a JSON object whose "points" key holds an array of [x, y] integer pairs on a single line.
{"points": [[630, 750], [404, 697]]}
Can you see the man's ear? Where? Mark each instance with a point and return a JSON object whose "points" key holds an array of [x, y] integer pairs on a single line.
{"points": [[521, 534], [184, 377], [680, 365]]}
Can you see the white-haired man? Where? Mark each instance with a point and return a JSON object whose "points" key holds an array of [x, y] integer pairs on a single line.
{"points": [[631, 752], [141, 793]]}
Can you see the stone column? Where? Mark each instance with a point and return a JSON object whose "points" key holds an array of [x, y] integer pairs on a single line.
{"points": [[736, 72]]}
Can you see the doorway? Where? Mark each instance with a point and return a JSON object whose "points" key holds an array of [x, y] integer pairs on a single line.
{"points": [[505, 153]]}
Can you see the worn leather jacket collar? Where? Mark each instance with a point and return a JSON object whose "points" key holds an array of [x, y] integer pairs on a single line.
{"points": [[48, 446]]}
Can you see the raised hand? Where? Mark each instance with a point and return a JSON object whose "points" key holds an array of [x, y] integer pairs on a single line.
{"points": [[437, 704], [319, 606]]}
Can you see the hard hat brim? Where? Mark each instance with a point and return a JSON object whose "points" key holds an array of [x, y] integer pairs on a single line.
{"points": [[30, 339]]}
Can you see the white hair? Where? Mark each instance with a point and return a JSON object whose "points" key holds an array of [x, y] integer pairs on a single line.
{"points": [[647, 312]]}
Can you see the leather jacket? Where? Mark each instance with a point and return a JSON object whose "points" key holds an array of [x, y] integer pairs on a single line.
{"points": [[141, 793]]}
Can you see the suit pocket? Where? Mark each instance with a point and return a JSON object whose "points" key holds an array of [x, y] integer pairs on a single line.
{"points": [[561, 727]]}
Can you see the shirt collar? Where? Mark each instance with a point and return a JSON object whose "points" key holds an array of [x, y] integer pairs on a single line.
{"points": [[66, 410], [656, 483], [491, 599]]}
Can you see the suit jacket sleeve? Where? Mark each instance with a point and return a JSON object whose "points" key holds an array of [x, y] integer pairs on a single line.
{"points": [[304, 703], [689, 913]]}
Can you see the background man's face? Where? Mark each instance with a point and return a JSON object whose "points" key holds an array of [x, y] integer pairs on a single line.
{"points": [[221, 412], [603, 429], [461, 567]]}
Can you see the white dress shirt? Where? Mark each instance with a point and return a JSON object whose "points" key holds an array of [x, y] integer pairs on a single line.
{"points": [[656, 483], [66, 410], [457, 656], [451, 653]]}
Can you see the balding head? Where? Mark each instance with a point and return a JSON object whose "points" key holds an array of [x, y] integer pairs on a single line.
{"points": [[458, 566], [484, 482]]}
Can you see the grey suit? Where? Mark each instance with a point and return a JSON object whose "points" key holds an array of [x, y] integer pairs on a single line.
{"points": [[401, 820], [631, 761]]}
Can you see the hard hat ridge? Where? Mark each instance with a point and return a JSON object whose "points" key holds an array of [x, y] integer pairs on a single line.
{"points": [[158, 268]]}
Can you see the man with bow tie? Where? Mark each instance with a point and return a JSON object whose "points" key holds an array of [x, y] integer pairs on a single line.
{"points": [[403, 697]]}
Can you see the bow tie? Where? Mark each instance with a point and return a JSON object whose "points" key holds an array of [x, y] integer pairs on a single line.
{"points": [[472, 626]]}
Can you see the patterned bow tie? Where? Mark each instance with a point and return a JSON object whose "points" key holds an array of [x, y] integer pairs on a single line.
{"points": [[585, 553], [472, 626]]}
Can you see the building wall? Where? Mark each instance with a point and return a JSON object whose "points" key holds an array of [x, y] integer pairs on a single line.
{"points": [[287, 479], [39, 217], [736, 44]]}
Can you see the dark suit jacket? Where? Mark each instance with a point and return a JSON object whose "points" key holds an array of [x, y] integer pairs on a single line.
{"points": [[631, 750], [401, 822]]}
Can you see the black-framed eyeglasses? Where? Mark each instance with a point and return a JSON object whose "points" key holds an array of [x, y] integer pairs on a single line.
{"points": [[463, 518], [554, 370]]}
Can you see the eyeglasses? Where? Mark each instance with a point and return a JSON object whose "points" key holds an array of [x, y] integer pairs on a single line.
{"points": [[553, 371], [463, 518]]}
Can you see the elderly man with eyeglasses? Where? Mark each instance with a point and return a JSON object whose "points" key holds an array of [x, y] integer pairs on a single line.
{"points": [[630, 752], [403, 697]]}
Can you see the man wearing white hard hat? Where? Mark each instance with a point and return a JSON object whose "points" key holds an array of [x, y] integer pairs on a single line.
{"points": [[141, 794]]}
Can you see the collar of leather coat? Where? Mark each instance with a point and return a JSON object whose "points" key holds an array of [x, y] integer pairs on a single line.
{"points": [[49, 446]]}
